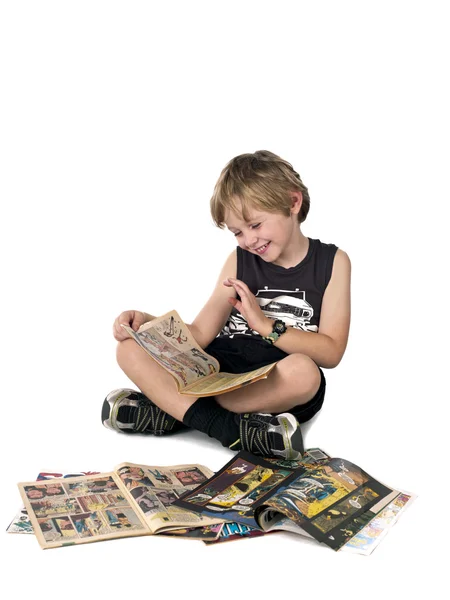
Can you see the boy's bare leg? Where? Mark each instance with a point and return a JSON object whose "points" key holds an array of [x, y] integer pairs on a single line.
{"points": [[294, 381], [153, 381]]}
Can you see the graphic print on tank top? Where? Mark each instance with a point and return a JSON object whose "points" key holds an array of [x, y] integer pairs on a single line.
{"points": [[290, 306]]}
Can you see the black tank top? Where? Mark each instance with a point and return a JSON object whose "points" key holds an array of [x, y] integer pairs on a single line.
{"points": [[293, 295]]}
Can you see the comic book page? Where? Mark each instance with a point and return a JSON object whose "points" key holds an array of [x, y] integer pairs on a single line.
{"points": [[237, 489], [220, 383], [169, 342], [81, 509], [21, 522], [330, 500], [155, 489], [384, 515], [366, 540], [242, 485]]}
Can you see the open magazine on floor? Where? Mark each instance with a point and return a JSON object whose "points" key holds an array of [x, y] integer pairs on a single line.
{"points": [[169, 342], [131, 500], [329, 499]]}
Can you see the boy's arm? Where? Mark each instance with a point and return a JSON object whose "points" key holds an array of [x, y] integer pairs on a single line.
{"points": [[216, 311], [326, 347]]}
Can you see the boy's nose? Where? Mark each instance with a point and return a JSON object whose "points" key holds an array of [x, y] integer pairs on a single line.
{"points": [[251, 240]]}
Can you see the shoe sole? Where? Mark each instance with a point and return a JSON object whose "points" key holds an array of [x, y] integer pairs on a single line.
{"points": [[290, 432], [111, 407]]}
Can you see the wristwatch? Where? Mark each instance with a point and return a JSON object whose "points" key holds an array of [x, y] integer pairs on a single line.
{"points": [[278, 329]]}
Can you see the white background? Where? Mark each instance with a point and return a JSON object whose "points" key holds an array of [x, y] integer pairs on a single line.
{"points": [[116, 120]]}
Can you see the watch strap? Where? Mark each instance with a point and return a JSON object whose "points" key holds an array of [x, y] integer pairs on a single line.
{"points": [[272, 337]]}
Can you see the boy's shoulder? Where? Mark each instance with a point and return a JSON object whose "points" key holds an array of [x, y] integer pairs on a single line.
{"points": [[327, 247]]}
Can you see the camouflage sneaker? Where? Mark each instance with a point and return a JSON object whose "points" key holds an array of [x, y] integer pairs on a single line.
{"points": [[129, 411], [269, 435]]}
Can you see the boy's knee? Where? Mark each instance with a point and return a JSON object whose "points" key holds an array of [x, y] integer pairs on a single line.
{"points": [[125, 350], [304, 372]]}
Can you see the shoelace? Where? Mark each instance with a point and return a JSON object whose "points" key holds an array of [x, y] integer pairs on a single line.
{"points": [[254, 439], [149, 416]]}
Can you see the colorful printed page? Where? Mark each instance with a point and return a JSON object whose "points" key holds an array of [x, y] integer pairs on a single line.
{"points": [[330, 500], [21, 522], [155, 489], [133, 500], [237, 489], [168, 340], [242, 484], [220, 383], [80, 510], [369, 538]]}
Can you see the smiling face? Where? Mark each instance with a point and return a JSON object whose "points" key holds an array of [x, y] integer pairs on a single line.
{"points": [[274, 237]]}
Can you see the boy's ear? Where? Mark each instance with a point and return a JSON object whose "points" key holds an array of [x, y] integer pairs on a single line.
{"points": [[296, 202]]}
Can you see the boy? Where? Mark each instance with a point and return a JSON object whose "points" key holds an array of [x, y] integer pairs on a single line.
{"points": [[280, 297]]}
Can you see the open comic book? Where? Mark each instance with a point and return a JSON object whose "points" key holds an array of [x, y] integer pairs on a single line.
{"points": [[168, 340], [132, 500], [329, 499]]}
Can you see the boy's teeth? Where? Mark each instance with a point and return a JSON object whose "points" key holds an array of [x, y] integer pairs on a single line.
{"points": [[261, 248]]}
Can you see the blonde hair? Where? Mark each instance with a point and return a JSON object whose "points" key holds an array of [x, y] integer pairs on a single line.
{"points": [[262, 180]]}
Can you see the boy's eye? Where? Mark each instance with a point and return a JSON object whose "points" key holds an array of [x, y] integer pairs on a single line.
{"points": [[237, 233], [255, 226]]}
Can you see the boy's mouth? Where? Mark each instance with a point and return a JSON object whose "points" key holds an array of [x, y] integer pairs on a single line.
{"points": [[262, 249]]}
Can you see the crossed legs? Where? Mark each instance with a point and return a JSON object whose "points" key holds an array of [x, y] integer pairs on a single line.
{"points": [[294, 381]]}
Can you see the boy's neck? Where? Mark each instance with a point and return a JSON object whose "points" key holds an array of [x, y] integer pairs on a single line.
{"points": [[295, 252]]}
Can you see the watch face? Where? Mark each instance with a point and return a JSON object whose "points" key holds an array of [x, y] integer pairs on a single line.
{"points": [[279, 327]]}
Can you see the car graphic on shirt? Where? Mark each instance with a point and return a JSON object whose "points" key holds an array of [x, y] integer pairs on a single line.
{"points": [[295, 311]]}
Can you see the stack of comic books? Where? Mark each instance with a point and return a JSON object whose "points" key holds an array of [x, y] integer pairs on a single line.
{"points": [[329, 499]]}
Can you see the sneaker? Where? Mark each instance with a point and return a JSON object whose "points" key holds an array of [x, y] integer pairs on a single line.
{"points": [[269, 435], [131, 412]]}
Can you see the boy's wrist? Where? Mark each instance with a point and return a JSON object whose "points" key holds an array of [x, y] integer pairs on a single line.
{"points": [[266, 327], [278, 327]]}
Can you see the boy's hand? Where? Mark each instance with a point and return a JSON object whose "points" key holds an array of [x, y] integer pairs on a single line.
{"points": [[248, 307], [132, 318]]}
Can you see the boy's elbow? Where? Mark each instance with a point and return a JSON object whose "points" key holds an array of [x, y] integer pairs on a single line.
{"points": [[334, 357], [333, 364]]}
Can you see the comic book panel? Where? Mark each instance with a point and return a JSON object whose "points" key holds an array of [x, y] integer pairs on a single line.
{"points": [[94, 502], [57, 528], [166, 497], [147, 501], [349, 506], [190, 477], [133, 476], [50, 490], [221, 482], [318, 488], [122, 519], [56, 506]]}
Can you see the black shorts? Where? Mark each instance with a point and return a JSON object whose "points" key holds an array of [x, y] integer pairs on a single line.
{"points": [[242, 354]]}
